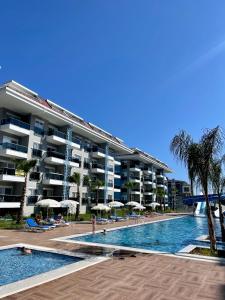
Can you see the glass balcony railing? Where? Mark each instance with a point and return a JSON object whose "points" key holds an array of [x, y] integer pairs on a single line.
{"points": [[54, 176], [110, 169], [15, 122], [32, 200], [39, 131], [10, 198], [98, 149], [35, 176], [56, 154], [58, 133], [76, 140], [37, 152], [110, 184], [15, 147], [135, 177], [6, 171], [98, 166], [86, 165]]}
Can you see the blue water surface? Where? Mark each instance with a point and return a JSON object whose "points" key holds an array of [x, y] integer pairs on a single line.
{"points": [[14, 266], [165, 236]]}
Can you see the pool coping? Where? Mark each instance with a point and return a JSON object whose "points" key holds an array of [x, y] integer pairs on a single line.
{"points": [[180, 254], [30, 282]]}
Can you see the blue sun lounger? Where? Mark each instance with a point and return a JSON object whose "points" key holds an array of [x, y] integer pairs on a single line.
{"points": [[32, 225]]}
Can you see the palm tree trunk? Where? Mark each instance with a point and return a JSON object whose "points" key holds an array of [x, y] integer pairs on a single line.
{"points": [[97, 197], [192, 187], [22, 201], [78, 205], [212, 236], [164, 205], [222, 226]]}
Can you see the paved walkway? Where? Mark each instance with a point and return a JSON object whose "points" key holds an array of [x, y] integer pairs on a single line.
{"points": [[144, 277]]}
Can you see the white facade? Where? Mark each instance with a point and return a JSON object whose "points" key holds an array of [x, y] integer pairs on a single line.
{"points": [[62, 143]]}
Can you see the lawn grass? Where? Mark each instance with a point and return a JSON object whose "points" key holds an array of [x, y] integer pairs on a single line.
{"points": [[10, 224], [208, 252]]}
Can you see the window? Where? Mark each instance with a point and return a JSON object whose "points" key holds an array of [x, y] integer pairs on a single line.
{"points": [[39, 124], [33, 192], [37, 146]]}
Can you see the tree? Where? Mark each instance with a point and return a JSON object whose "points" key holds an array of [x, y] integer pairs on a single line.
{"points": [[24, 166], [218, 182], [96, 186], [129, 185], [182, 147], [87, 183], [198, 158], [160, 193], [75, 178]]}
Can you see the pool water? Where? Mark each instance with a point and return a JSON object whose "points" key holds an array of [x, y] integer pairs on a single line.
{"points": [[164, 236], [14, 266]]}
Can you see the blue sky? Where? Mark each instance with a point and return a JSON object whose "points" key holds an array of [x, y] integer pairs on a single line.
{"points": [[140, 69]]}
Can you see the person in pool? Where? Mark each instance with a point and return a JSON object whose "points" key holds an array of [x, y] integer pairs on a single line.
{"points": [[25, 251], [104, 231]]}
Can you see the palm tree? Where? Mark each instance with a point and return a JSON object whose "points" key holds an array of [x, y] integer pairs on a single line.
{"points": [[96, 186], [182, 147], [129, 185], [24, 166], [198, 157], [218, 182], [87, 183], [75, 178], [160, 193]]}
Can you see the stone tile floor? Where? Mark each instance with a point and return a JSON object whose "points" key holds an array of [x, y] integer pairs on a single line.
{"points": [[143, 277]]}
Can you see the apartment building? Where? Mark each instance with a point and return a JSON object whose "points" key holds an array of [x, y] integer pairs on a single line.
{"points": [[32, 127], [177, 190], [147, 175]]}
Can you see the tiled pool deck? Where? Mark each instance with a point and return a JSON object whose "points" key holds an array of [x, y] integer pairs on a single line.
{"points": [[144, 277]]}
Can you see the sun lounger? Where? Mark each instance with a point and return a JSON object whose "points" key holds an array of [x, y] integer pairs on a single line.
{"points": [[32, 225]]}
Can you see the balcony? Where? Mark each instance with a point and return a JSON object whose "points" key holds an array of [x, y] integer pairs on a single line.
{"points": [[76, 142], [147, 180], [57, 137], [53, 179], [14, 126], [98, 168], [135, 179], [135, 168], [87, 165], [98, 152], [117, 163], [135, 191], [10, 175], [35, 176], [10, 201], [37, 152], [147, 170], [39, 131], [148, 193], [13, 150], [31, 200], [58, 158], [160, 176]]}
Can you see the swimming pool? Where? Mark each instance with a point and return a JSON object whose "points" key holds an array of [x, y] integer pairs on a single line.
{"points": [[168, 236], [14, 266]]}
